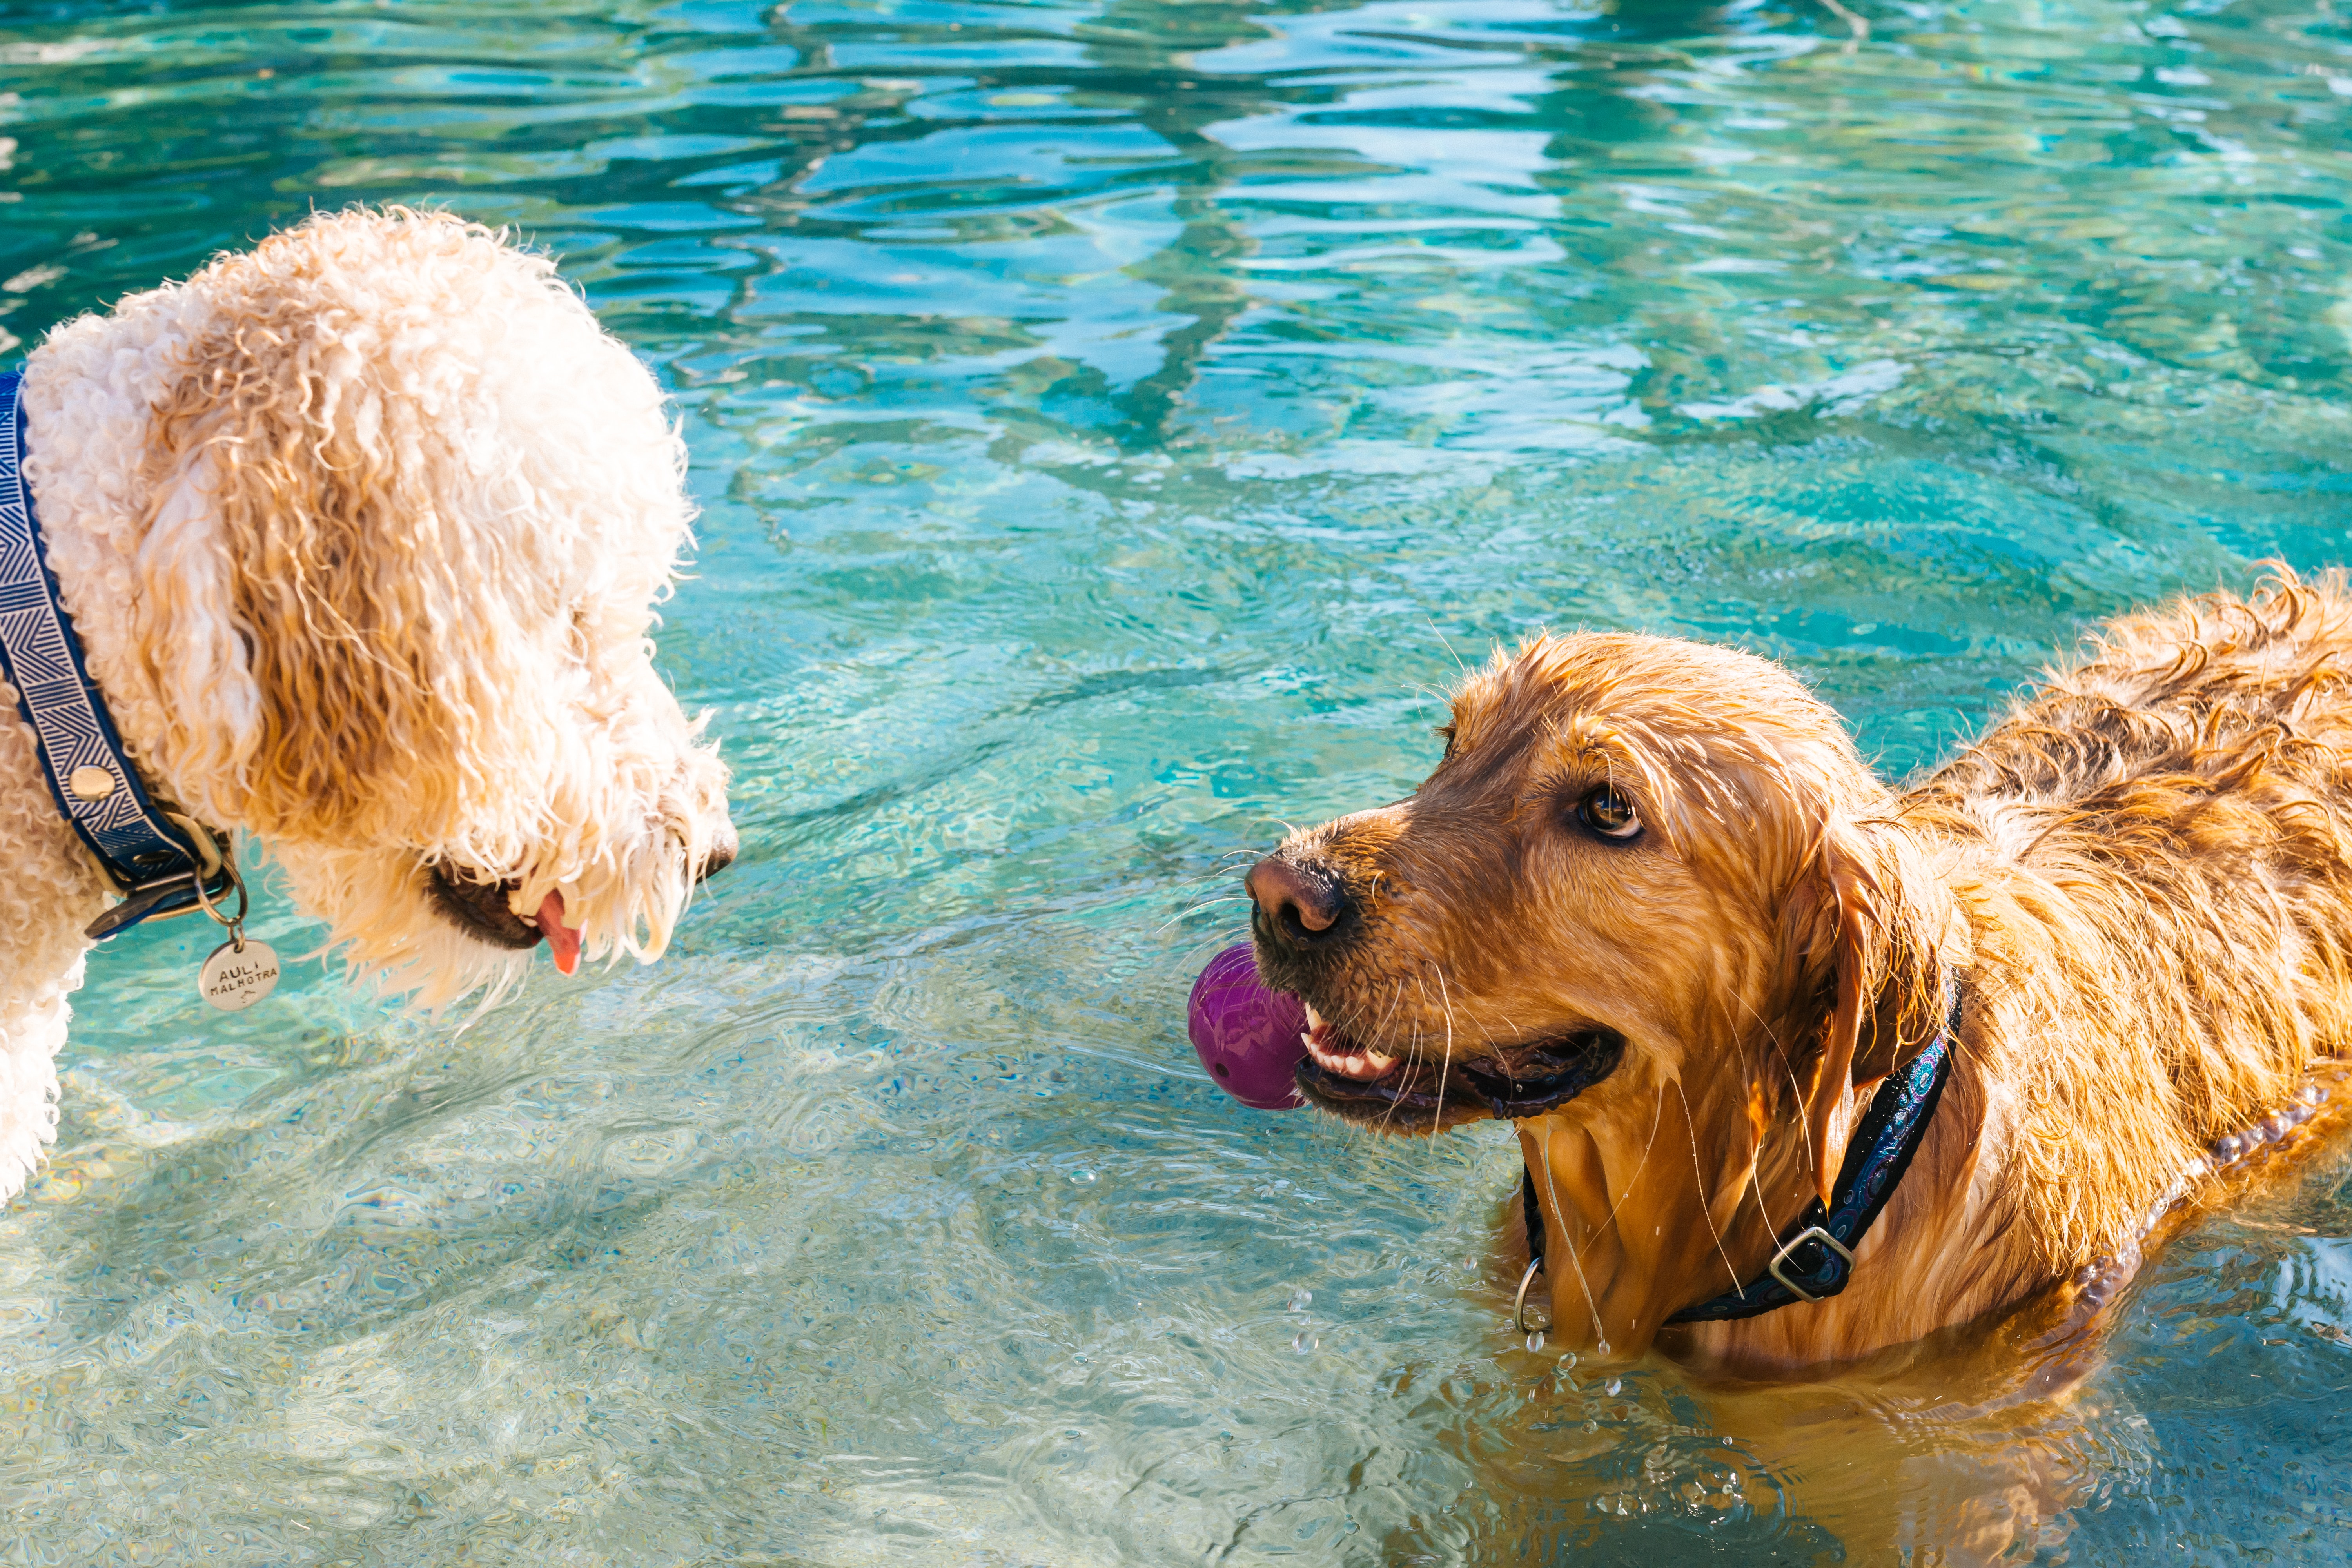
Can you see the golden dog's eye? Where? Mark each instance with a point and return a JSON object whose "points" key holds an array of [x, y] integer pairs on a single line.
{"points": [[1609, 813]]}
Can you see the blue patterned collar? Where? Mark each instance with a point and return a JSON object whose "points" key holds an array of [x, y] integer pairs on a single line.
{"points": [[158, 863], [1814, 1260]]}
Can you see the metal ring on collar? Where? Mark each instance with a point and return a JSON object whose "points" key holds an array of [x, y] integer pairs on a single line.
{"points": [[1519, 1302], [1811, 1233], [208, 848], [204, 901]]}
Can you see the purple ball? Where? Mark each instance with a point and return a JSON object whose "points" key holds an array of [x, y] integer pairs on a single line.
{"points": [[1248, 1037]]}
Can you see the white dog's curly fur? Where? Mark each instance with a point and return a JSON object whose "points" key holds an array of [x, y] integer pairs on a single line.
{"points": [[361, 532]]}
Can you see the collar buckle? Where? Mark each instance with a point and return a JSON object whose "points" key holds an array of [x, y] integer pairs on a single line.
{"points": [[1893, 1127], [1780, 1256]]}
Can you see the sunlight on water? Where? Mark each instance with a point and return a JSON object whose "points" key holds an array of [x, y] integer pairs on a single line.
{"points": [[1113, 423]]}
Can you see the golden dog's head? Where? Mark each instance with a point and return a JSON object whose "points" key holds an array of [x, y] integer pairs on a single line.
{"points": [[1648, 906]]}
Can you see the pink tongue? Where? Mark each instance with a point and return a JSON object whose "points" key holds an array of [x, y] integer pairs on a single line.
{"points": [[561, 940]]}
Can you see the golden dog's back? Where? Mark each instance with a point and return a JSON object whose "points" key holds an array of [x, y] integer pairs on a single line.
{"points": [[2153, 845], [2206, 692]]}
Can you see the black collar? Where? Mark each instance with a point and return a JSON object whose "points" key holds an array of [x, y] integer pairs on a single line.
{"points": [[1814, 1260]]}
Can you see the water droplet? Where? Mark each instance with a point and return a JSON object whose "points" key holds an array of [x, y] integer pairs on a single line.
{"points": [[1614, 1384], [1535, 1339], [1600, 1348], [1727, 1443], [1306, 1343], [2229, 1148], [1082, 1177], [1568, 1362], [1300, 1300], [2311, 1094]]}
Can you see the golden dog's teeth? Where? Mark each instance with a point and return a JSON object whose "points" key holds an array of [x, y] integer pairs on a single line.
{"points": [[1313, 1019], [1380, 1060]]}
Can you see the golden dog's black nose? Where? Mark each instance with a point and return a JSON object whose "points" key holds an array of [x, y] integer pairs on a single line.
{"points": [[1298, 906]]}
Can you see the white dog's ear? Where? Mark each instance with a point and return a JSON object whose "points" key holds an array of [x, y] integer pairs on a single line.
{"points": [[1865, 942], [310, 551], [197, 651]]}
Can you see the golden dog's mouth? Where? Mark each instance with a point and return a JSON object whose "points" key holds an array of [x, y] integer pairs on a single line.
{"points": [[1414, 1093]]}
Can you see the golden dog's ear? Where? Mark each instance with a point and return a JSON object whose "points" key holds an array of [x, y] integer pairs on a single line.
{"points": [[1859, 939]]}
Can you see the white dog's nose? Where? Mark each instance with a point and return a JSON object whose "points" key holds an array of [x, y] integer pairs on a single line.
{"points": [[721, 856]]}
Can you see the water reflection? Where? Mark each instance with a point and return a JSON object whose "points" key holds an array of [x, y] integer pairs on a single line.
{"points": [[1112, 420]]}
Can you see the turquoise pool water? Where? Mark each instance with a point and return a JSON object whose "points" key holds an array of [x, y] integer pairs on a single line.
{"points": [[1113, 421]]}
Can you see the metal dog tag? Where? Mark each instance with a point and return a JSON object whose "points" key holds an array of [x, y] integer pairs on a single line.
{"points": [[241, 971]]}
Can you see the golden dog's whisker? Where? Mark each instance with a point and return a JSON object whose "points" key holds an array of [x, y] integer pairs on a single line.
{"points": [[1445, 1063], [1657, 1118], [1449, 649], [1486, 1034], [1786, 1067], [1753, 1183], [1575, 1253], [1705, 1203], [1438, 694], [1755, 1186], [1182, 918], [1218, 878], [1184, 955], [1196, 908], [1380, 1125], [1395, 997], [1394, 1106], [1346, 1024]]}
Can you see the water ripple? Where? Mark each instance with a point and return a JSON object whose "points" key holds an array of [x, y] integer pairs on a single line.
{"points": [[1113, 420]]}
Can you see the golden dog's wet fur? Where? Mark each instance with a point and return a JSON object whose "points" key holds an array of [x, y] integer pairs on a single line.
{"points": [[2137, 883]]}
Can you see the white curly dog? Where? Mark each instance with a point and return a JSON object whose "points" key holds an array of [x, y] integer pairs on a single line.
{"points": [[361, 534]]}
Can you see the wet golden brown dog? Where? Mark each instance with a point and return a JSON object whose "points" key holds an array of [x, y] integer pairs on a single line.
{"points": [[1653, 907]]}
